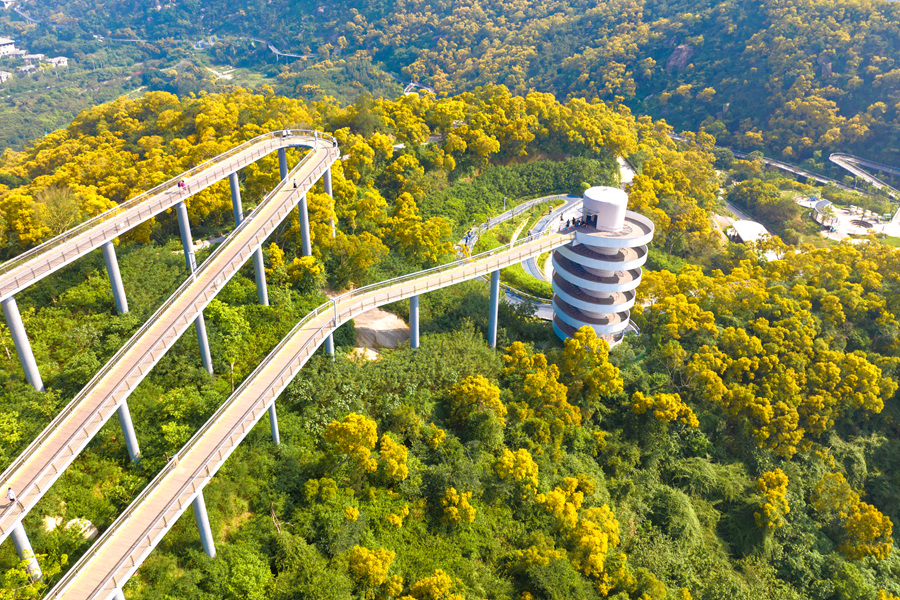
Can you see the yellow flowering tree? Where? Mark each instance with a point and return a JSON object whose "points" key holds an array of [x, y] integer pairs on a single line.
{"points": [[435, 587], [585, 369], [475, 394], [457, 507], [370, 567], [865, 531], [354, 437], [665, 407], [773, 486], [518, 467], [393, 458]]}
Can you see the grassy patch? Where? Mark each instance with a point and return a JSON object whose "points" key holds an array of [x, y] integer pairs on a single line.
{"points": [[516, 277]]}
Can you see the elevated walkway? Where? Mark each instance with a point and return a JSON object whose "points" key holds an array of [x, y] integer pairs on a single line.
{"points": [[853, 163], [118, 553], [32, 266], [47, 457]]}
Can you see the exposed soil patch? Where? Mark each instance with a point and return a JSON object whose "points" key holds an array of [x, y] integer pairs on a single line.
{"points": [[379, 328]]}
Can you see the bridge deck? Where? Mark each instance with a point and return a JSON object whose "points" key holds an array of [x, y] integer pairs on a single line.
{"points": [[61, 441], [124, 546], [37, 263]]}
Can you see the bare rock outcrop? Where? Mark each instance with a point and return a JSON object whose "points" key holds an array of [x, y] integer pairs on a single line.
{"points": [[680, 58], [824, 62]]}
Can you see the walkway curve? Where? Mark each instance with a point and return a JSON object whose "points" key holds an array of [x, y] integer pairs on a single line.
{"points": [[852, 163], [119, 552], [531, 267], [47, 457], [35, 264]]}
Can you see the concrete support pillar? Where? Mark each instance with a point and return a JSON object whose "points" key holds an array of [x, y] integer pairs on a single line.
{"points": [[187, 243], [25, 552], [282, 163], [115, 278], [206, 538], [326, 181], [273, 425], [303, 211], [236, 198], [262, 292], [205, 355], [414, 322], [329, 344], [495, 305], [134, 451], [23, 346], [117, 594]]}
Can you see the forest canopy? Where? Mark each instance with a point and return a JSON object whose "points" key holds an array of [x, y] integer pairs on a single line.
{"points": [[742, 445], [793, 77]]}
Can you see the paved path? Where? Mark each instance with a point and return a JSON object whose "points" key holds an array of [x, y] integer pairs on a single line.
{"points": [[125, 545]]}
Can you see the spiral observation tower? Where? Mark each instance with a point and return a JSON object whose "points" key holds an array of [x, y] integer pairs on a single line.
{"points": [[595, 277]]}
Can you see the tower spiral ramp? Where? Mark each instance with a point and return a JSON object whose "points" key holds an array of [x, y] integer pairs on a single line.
{"points": [[595, 277]]}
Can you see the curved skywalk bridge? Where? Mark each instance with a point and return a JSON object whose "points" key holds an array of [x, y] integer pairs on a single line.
{"points": [[118, 553], [47, 457], [32, 266]]}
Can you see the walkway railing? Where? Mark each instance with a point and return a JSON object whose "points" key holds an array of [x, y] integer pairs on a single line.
{"points": [[104, 410], [257, 148], [338, 311]]}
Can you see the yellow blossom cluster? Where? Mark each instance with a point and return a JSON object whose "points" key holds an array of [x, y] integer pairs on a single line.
{"points": [[435, 587], [866, 531], [355, 436], [773, 486], [436, 437], [665, 407], [457, 507], [370, 567], [393, 457], [538, 382], [518, 466], [475, 394], [563, 503], [396, 519]]}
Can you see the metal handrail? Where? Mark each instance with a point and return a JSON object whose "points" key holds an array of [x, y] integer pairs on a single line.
{"points": [[173, 462], [50, 429], [332, 324], [132, 202]]}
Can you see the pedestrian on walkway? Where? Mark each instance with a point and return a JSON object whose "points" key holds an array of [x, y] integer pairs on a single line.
{"points": [[11, 495], [295, 184]]}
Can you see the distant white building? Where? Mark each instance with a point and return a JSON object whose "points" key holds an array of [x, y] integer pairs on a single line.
{"points": [[749, 231], [27, 68], [5, 76], [7, 46], [33, 58], [8, 3], [59, 61]]}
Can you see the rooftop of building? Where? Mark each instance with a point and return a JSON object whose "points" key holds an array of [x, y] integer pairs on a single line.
{"points": [[749, 231]]}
